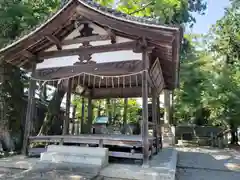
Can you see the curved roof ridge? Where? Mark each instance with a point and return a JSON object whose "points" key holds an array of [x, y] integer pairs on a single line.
{"points": [[114, 13], [36, 28]]}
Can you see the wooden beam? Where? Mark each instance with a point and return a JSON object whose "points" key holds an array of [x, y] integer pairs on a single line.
{"points": [[30, 110], [73, 130], [28, 54], [55, 41], [108, 68], [102, 93], [145, 132], [139, 48], [85, 39], [68, 103], [88, 50], [154, 117], [90, 115], [159, 122], [22, 63], [112, 35]]}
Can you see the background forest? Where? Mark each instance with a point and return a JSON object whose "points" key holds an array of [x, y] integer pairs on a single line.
{"points": [[209, 90]]}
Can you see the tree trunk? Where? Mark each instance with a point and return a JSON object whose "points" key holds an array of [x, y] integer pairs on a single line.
{"points": [[53, 120], [12, 106], [109, 110], [125, 111], [43, 92], [234, 137], [99, 108], [114, 109], [83, 115]]}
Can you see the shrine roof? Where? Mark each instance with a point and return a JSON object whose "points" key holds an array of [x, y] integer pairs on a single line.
{"points": [[166, 39]]}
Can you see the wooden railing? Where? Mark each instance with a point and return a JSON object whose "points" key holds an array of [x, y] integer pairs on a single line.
{"points": [[131, 142], [217, 140]]}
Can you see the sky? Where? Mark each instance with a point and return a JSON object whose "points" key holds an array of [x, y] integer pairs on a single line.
{"points": [[215, 10]]}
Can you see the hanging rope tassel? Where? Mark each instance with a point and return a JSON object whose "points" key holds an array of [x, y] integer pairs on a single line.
{"points": [[112, 83], [83, 75], [94, 81]]}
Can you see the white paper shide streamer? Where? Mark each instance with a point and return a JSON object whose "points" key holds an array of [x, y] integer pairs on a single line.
{"points": [[95, 80]]}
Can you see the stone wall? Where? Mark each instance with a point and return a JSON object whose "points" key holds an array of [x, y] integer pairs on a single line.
{"points": [[196, 133]]}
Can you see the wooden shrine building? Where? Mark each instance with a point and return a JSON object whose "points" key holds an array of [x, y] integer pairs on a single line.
{"points": [[100, 53]]}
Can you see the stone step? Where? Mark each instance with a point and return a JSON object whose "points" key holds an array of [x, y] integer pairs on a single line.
{"points": [[77, 150], [164, 135], [58, 157], [167, 137]]}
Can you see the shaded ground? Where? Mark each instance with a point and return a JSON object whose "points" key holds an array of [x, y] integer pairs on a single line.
{"points": [[235, 147], [207, 163], [198, 174], [22, 168], [49, 172], [4, 172]]}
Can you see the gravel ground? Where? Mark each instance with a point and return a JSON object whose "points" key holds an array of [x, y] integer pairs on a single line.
{"points": [[50, 175], [208, 164], [5, 172], [44, 174], [197, 174]]}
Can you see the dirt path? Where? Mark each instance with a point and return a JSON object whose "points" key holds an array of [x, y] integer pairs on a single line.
{"points": [[208, 164]]}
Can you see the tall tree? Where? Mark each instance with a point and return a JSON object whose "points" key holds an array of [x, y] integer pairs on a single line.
{"points": [[225, 36], [17, 17]]}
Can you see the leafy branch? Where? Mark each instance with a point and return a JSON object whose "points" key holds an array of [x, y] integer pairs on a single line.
{"points": [[143, 7]]}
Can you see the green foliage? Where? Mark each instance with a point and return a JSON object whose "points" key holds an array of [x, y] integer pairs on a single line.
{"points": [[195, 76], [166, 11], [226, 33], [17, 17], [210, 79], [116, 108]]}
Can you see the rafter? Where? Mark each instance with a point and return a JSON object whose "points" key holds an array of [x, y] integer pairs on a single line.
{"points": [[85, 39], [28, 54], [22, 63], [88, 50], [55, 40], [112, 35]]}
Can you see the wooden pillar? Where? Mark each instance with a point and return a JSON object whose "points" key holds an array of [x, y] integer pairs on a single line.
{"points": [[73, 120], [68, 104], [159, 122], [172, 121], [43, 93], [154, 116], [145, 107], [83, 114], [30, 110], [109, 110], [90, 113], [166, 106], [125, 111]]}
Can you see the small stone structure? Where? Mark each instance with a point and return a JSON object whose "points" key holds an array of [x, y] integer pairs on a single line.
{"points": [[76, 155], [199, 135], [161, 167]]}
